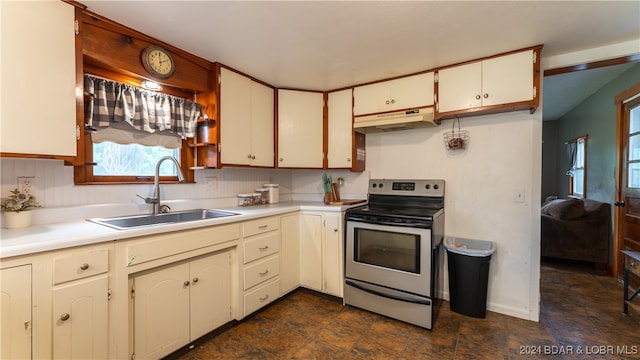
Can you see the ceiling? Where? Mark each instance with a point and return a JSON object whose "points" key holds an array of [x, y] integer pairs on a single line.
{"points": [[325, 45]]}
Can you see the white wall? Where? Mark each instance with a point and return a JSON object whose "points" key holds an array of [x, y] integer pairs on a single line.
{"points": [[504, 154]]}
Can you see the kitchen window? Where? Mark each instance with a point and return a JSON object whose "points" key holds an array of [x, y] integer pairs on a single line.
{"points": [[578, 167], [129, 129]]}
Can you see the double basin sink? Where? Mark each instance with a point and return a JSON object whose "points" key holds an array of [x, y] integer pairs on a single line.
{"points": [[146, 220]]}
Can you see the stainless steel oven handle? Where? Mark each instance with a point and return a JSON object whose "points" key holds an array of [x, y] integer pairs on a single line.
{"points": [[388, 296]]}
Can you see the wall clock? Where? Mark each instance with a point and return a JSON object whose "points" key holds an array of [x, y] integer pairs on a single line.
{"points": [[158, 62]]}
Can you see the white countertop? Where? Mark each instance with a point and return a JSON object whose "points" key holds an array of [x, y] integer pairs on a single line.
{"points": [[47, 237]]}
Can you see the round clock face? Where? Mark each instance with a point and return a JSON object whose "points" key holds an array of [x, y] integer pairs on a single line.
{"points": [[158, 62]]}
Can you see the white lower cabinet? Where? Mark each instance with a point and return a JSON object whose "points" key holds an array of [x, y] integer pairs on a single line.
{"points": [[15, 312], [320, 244], [261, 263], [80, 303], [290, 252], [80, 319], [179, 303]]}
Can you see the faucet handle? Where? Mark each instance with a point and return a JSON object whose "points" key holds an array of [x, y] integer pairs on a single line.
{"points": [[148, 200]]}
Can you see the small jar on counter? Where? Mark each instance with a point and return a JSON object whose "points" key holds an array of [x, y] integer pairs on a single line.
{"points": [[264, 195], [245, 199]]}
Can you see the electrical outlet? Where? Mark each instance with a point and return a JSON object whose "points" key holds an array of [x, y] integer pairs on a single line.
{"points": [[25, 184]]}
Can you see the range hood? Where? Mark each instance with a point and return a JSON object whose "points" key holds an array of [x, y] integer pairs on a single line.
{"points": [[400, 120]]}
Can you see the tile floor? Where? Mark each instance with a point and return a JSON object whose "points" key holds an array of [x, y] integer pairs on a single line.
{"points": [[581, 318]]}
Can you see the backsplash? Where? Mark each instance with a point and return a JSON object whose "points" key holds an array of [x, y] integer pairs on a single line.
{"points": [[53, 184]]}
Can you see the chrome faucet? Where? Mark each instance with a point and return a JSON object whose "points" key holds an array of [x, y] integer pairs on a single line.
{"points": [[155, 200]]}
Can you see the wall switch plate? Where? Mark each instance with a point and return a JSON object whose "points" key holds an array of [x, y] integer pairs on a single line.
{"points": [[211, 182], [25, 184], [519, 195]]}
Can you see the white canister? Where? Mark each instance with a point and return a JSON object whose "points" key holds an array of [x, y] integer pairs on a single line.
{"points": [[274, 193]]}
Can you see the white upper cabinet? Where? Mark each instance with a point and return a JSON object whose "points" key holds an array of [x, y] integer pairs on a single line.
{"points": [[340, 129], [38, 113], [403, 93], [496, 81], [300, 129], [246, 121]]}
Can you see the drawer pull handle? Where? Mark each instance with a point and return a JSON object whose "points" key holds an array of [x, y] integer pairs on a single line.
{"points": [[84, 266], [264, 248], [186, 283], [264, 298], [262, 227], [65, 317], [264, 273], [195, 280]]}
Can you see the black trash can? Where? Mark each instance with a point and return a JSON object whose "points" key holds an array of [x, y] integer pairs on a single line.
{"points": [[468, 275]]}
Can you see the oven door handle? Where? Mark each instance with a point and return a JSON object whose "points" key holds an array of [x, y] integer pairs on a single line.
{"points": [[388, 296]]}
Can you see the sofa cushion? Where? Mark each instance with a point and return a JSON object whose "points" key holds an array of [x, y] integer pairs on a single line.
{"points": [[565, 209]]}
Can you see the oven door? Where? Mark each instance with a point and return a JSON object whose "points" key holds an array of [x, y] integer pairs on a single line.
{"points": [[396, 257]]}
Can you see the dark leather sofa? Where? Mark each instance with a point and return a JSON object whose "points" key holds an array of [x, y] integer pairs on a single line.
{"points": [[576, 229]]}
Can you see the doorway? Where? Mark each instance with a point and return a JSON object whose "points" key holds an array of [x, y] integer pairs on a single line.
{"points": [[603, 80]]}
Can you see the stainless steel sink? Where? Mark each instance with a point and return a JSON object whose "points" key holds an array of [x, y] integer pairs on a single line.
{"points": [[136, 221]]}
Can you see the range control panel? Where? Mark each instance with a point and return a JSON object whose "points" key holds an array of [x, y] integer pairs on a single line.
{"points": [[434, 188]]}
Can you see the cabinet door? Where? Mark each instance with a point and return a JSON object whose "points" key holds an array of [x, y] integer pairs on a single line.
{"points": [[311, 251], [80, 319], [507, 79], [235, 118], [332, 255], [300, 129], [412, 91], [290, 253], [210, 293], [38, 61], [262, 125], [161, 311], [372, 98], [340, 128], [15, 315], [460, 87]]}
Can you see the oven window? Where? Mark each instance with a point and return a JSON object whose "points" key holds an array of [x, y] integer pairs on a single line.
{"points": [[392, 250]]}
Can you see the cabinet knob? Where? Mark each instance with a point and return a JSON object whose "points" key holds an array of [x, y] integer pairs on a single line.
{"points": [[393, 101], [486, 95], [186, 283], [264, 298], [249, 156], [335, 230], [387, 102], [281, 159], [253, 157], [477, 97], [265, 248], [84, 266], [195, 280], [348, 159], [65, 317], [264, 273]]}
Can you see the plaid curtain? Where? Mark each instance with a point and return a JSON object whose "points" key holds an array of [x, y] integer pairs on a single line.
{"points": [[114, 104]]}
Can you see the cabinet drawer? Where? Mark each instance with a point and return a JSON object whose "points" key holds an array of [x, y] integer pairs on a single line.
{"points": [[632, 265], [261, 271], [261, 296], [80, 265], [261, 246], [260, 226]]}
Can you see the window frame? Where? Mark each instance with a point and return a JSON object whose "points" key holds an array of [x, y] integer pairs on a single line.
{"points": [[83, 173], [583, 139]]}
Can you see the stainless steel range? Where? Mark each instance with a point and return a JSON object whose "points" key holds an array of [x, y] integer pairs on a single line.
{"points": [[391, 249]]}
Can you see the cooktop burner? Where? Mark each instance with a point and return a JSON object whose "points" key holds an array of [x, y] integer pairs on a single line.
{"points": [[402, 199]]}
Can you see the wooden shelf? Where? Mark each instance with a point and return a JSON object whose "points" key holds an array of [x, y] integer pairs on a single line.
{"points": [[202, 144]]}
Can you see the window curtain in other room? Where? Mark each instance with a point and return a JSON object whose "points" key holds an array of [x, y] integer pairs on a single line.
{"points": [[132, 115], [572, 152]]}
